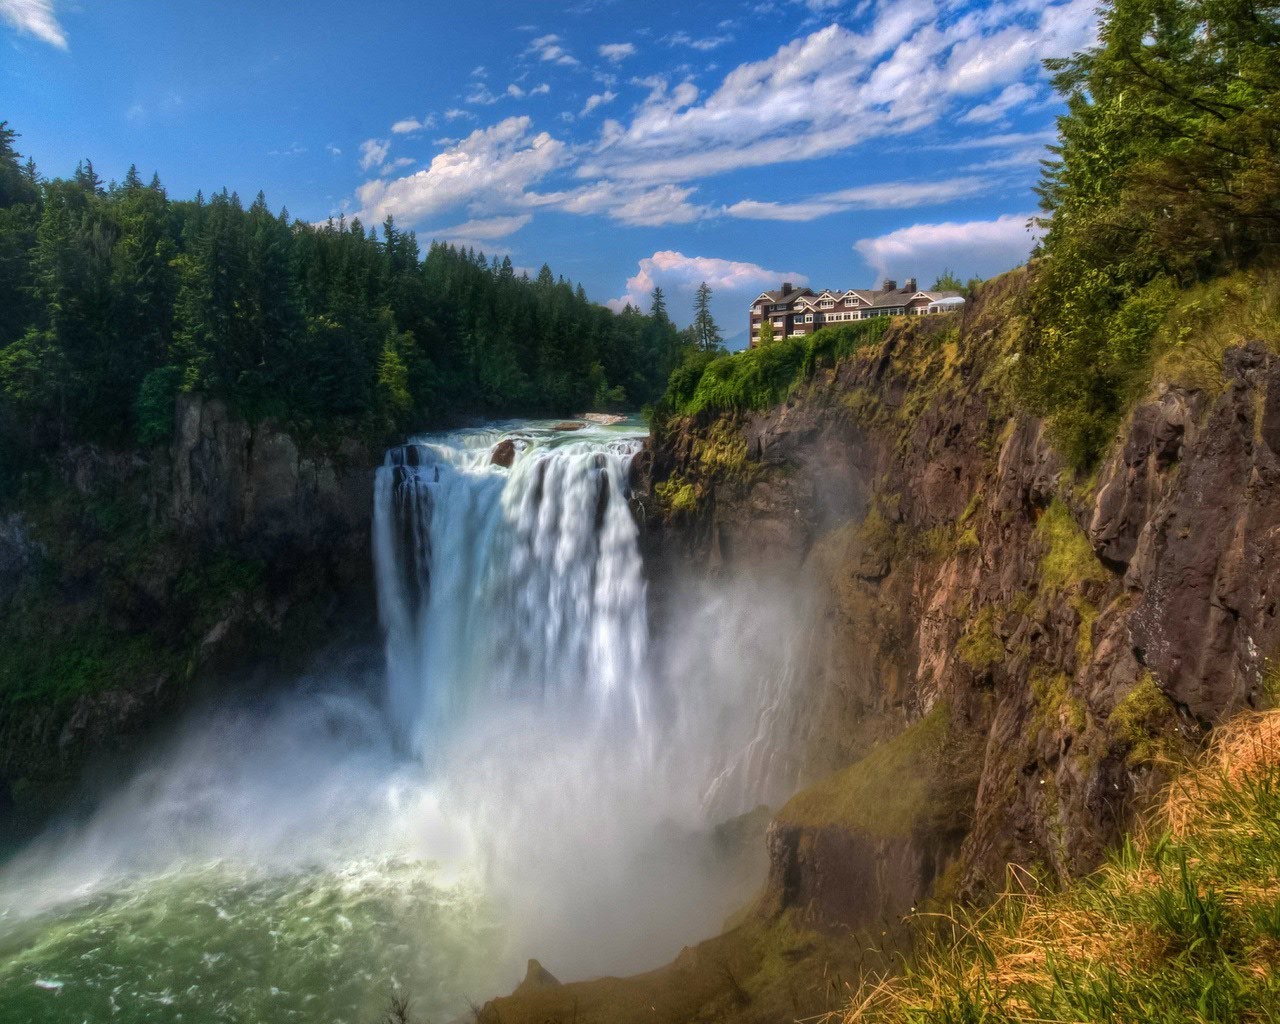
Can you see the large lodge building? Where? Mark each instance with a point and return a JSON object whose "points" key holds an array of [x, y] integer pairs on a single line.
{"points": [[799, 311]]}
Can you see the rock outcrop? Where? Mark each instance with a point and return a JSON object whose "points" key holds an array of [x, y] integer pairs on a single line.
{"points": [[1077, 630], [130, 581]]}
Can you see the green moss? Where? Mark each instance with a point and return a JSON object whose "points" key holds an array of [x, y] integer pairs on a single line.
{"points": [[1143, 721], [1054, 703], [890, 792], [677, 497], [1084, 637], [980, 648], [1068, 558]]}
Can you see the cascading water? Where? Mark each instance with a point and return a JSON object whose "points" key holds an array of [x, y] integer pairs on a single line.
{"points": [[540, 780], [512, 586]]}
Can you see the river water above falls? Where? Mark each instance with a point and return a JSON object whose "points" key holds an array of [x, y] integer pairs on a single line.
{"points": [[531, 774]]}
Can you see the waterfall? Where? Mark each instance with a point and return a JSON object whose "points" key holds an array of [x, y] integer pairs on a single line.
{"points": [[512, 587]]}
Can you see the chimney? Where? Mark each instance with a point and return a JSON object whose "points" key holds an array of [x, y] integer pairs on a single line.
{"points": [[786, 287], [889, 285], [911, 284]]}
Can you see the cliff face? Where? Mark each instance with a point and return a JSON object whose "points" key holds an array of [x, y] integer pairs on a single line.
{"points": [[131, 581], [1059, 637]]}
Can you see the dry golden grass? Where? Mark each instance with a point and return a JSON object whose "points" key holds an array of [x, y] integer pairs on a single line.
{"points": [[1181, 924]]}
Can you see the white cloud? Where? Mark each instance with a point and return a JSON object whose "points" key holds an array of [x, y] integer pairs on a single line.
{"points": [[547, 48], [408, 126], [332, 150], [457, 114], [492, 168], [35, 17], [891, 195], [636, 205], [914, 64], [398, 164], [617, 52], [540, 90], [980, 247], [373, 152], [679, 276], [705, 44], [598, 100], [1019, 94], [485, 229]]}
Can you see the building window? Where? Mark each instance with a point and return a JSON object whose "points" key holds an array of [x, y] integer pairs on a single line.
{"points": [[851, 301], [808, 318], [826, 304]]}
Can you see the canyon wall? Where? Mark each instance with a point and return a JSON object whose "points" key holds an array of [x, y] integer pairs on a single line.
{"points": [[132, 581]]}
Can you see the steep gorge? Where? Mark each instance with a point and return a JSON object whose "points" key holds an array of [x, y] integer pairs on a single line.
{"points": [[1007, 656]]}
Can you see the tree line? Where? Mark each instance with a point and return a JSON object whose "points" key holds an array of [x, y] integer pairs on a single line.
{"points": [[115, 297]]}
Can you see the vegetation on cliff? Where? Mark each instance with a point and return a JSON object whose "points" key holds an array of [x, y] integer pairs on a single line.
{"points": [[1166, 174], [1181, 924]]}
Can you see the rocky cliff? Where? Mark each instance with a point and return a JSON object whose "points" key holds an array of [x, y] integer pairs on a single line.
{"points": [[1008, 655], [131, 581]]}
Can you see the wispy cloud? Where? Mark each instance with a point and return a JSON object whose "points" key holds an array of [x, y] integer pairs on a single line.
{"points": [[617, 52], [705, 43], [35, 17], [890, 195], [373, 152], [911, 67], [598, 100], [410, 125], [547, 48]]}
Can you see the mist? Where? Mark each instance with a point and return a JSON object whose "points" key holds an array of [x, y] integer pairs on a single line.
{"points": [[533, 740]]}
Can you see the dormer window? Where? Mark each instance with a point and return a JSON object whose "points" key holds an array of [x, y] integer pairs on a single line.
{"points": [[826, 304]]}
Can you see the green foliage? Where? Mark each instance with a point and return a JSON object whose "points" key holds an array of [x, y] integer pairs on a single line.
{"points": [[761, 377], [111, 299], [154, 409], [1068, 558], [1167, 173], [766, 332]]}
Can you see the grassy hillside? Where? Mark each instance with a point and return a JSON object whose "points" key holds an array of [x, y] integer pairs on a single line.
{"points": [[1182, 923]]}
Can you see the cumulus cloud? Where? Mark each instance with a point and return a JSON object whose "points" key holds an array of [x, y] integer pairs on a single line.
{"points": [[974, 248], [679, 276], [892, 195], [36, 18], [617, 52], [373, 152], [408, 126], [492, 167], [913, 65]]}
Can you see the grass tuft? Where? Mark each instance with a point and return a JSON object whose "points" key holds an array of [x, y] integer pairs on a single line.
{"points": [[1181, 924]]}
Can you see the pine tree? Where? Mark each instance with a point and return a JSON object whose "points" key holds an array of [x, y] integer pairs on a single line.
{"points": [[705, 331]]}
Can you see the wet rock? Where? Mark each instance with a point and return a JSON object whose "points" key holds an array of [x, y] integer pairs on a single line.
{"points": [[568, 425], [536, 979], [504, 453]]}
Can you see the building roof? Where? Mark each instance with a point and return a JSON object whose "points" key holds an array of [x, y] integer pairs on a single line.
{"points": [[877, 298]]}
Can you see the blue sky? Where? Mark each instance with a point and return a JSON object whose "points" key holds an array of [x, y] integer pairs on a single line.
{"points": [[627, 144]]}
